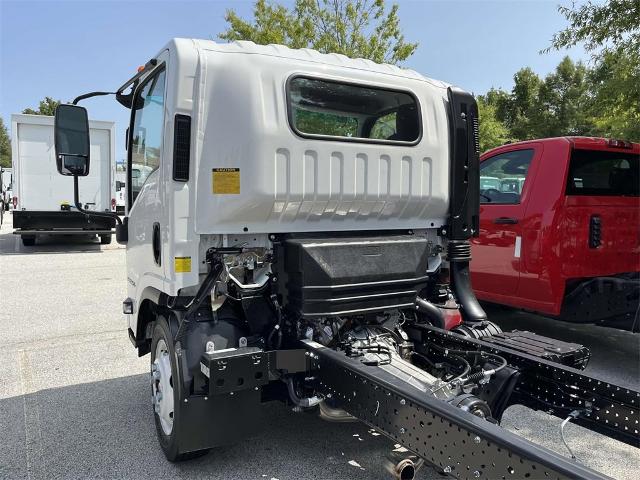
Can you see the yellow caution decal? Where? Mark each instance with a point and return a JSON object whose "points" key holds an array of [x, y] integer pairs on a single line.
{"points": [[182, 264], [225, 181]]}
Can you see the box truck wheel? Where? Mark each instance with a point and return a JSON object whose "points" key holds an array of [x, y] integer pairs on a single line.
{"points": [[28, 240], [105, 239], [167, 392]]}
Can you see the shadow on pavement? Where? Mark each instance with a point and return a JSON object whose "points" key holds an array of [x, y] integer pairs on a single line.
{"points": [[10, 243], [105, 430]]}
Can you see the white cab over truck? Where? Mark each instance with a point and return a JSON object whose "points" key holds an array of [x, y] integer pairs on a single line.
{"points": [[44, 199], [288, 215]]}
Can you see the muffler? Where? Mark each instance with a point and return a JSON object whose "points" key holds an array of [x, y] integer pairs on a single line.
{"points": [[331, 414]]}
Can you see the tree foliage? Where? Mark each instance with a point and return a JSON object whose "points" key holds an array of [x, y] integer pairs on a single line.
{"points": [[615, 100], [493, 132], [355, 28], [46, 107], [575, 99], [5, 146], [602, 27], [611, 32]]}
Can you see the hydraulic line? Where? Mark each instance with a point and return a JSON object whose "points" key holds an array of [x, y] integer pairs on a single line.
{"points": [[300, 402], [503, 361]]}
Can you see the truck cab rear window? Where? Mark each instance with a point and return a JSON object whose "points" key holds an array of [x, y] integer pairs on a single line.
{"points": [[603, 173], [348, 112]]}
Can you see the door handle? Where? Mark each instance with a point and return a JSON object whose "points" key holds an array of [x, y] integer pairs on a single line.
{"points": [[505, 221], [156, 243]]}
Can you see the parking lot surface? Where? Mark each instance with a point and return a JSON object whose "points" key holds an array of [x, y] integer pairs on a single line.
{"points": [[75, 398]]}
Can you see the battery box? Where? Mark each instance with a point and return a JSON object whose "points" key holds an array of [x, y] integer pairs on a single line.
{"points": [[569, 354]]}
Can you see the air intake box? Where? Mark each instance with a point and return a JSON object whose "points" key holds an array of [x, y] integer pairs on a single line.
{"points": [[345, 276]]}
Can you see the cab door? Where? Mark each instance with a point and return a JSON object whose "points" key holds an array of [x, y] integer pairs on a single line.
{"points": [[147, 214], [504, 181]]}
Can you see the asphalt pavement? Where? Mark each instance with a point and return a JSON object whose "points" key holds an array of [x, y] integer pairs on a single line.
{"points": [[75, 399]]}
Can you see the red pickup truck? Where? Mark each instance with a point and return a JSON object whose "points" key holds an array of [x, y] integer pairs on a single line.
{"points": [[560, 229]]}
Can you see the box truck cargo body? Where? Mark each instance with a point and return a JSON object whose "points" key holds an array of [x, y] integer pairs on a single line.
{"points": [[45, 203]]}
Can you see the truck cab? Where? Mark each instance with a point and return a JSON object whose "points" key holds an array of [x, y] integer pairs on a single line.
{"points": [[560, 235]]}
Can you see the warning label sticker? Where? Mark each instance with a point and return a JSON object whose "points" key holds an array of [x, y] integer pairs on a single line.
{"points": [[225, 181], [182, 264]]}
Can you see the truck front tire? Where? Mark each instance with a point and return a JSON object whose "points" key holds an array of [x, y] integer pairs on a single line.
{"points": [[28, 240], [167, 392]]}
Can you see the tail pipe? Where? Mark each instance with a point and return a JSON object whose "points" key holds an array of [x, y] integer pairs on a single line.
{"points": [[459, 255], [402, 465]]}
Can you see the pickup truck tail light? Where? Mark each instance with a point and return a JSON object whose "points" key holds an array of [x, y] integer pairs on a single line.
{"points": [[595, 231], [15, 202], [113, 204]]}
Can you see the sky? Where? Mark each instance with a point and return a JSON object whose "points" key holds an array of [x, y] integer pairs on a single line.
{"points": [[62, 49]]}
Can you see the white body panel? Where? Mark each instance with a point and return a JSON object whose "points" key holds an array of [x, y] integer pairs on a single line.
{"points": [[235, 95], [294, 184], [37, 183]]}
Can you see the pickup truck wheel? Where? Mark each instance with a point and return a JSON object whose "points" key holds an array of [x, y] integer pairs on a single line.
{"points": [[167, 392], [28, 241], [105, 239]]}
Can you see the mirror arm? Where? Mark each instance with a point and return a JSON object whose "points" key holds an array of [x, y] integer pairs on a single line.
{"points": [[89, 95], [76, 200]]}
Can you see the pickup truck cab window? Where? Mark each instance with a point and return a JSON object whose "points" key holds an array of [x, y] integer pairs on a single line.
{"points": [[146, 139], [602, 173], [502, 177], [348, 112]]}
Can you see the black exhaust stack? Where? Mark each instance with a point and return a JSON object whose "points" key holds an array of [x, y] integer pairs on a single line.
{"points": [[464, 204]]}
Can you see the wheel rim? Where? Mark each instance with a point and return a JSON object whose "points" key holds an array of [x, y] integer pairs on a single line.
{"points": [[162, 387]]}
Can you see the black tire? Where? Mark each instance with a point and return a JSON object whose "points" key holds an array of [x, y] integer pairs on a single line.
{"points": [[169, 443], [105, 239], [28, 241]]}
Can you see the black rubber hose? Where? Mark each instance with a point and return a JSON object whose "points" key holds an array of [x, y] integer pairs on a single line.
{"points": [[429, 310], [301, 402], [465, 364], [471, 310]]}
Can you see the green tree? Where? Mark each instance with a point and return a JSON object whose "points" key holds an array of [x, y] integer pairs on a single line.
{"points": [[5, 146], [614, 103], [602, 27], [524, 116], [493, 132], [554, 106], [563, 101], [46, 107], [611, 32], [355, 28]]}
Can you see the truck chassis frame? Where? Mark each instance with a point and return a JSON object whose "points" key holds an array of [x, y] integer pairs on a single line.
{"points": [[465, 446]]}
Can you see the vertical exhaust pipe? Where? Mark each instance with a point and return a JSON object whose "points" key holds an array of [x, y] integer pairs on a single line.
{"points": [[464, 194]]}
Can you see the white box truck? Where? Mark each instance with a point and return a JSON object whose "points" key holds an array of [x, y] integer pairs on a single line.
{"points": [[45, 203]]}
